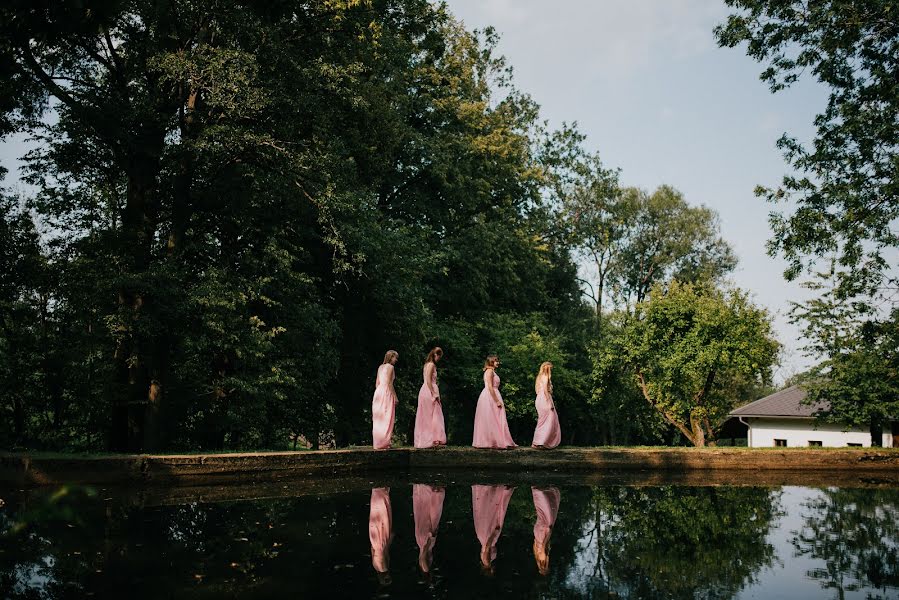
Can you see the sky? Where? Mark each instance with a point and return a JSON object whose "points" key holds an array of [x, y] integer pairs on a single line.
{"points": [[658, 99], [646, 82]]}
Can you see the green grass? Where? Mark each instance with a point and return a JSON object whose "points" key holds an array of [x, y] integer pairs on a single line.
{"points": [[98, 455]]}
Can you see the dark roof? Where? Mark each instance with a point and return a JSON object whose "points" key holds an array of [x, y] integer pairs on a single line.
{"points": [[785, 403]]}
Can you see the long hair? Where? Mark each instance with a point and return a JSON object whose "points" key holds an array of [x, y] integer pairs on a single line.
{"points": [[545, 371], [390, 354], [491, 361], [433, 354]]}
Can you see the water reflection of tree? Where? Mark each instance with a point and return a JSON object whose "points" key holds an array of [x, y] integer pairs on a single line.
{"points": [[674, 542], [856, 533]]}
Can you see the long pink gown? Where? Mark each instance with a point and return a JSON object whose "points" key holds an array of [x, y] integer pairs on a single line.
{"points": [[548, 433], [491, 430], [429, 426], [427, 507], [546, 503], [380, 529], [383, 408], [489, 504]]}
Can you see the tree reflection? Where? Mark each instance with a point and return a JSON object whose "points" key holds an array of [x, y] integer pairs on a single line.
{"points": [[674, 542], [856, 533]]}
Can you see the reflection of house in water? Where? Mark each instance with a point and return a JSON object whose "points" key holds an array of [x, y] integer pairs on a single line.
{"points": [[782, 419]]}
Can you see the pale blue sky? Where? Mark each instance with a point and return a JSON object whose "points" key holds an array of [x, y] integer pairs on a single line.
{"points": [[658, 99]]}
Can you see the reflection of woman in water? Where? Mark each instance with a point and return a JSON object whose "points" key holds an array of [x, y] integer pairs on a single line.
{"points": [[427, 507], [489, 504], [546, 503], [380, 532]]}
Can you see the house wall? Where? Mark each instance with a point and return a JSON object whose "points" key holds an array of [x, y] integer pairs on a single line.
{"points": [[798, 433]]}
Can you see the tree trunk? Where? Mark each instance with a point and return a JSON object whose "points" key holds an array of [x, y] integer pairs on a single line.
{"points": [[698, 437], [135, 387]]}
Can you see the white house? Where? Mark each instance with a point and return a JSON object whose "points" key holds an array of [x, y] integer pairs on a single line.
{"points": [[781, 419]]}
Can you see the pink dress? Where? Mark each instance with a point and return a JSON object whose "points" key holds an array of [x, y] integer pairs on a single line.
{"points": [[548, 433], [429, 427], [383, 408], [380, 529], [488, 505], [427, 507], [491, 430], [546, 503]]}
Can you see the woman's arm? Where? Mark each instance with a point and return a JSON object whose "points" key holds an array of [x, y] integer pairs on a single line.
{"points": [[430, 368], [492, 389], [391, 376]]}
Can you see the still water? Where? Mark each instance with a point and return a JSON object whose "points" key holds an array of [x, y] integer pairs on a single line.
{"points": [[446, 539]]}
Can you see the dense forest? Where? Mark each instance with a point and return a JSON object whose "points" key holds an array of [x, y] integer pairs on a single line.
{"points": [[234, 209]]}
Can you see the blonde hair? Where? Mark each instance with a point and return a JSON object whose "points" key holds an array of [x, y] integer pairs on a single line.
{"points": [[545, 370], [390, 354], [435, 352], [490, 362]]}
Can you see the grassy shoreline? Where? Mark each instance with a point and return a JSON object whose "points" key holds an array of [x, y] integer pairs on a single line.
{"points": [[30, 469]]}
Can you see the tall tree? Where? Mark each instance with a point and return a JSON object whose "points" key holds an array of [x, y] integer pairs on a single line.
{"points": [[845, 188], [251, 203], [857, 379], [632, 240], [685, 347]]}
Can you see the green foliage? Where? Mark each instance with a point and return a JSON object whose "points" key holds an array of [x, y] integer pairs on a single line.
{"points": [[858, 379], [854, 532], [684, 542], [845, 186], [246, 205], [633, 240], [686, 348]]}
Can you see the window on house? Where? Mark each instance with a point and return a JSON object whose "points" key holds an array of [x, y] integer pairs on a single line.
{"points": [[815, 443], [854, 445], [781, 443]]}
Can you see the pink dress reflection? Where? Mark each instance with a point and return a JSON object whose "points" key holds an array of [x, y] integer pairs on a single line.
{"points": [[546, 503], [491, 430], [429, 427], [383, 407], [380, 532], [548, 433], [489, 504], [427, 507]]}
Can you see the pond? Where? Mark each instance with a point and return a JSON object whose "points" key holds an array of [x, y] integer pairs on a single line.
{"points": [[441, 537]]}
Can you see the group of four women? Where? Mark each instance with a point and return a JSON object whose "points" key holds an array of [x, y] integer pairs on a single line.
{"points": [[489, 505], [491, 429]]}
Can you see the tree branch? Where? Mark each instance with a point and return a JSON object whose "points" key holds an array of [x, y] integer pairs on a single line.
{"points": [[663, 412], [54, 88]]}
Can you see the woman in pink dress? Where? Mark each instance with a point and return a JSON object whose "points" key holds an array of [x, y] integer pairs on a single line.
{"points": [[427, 507], [546, 503], [429, 428], [548, 433], [383, 404], [489, 504], [380, 532], [491, 430]]}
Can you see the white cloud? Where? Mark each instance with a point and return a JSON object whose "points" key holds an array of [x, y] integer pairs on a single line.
{"points": [[607, 40]]}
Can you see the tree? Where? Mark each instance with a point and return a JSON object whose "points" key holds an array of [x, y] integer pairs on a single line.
{"points": [[633, 240], [681, 542], [845, 190], [685, 347], [250, 203], [854, 532], [858, 379], [23, 322]]}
